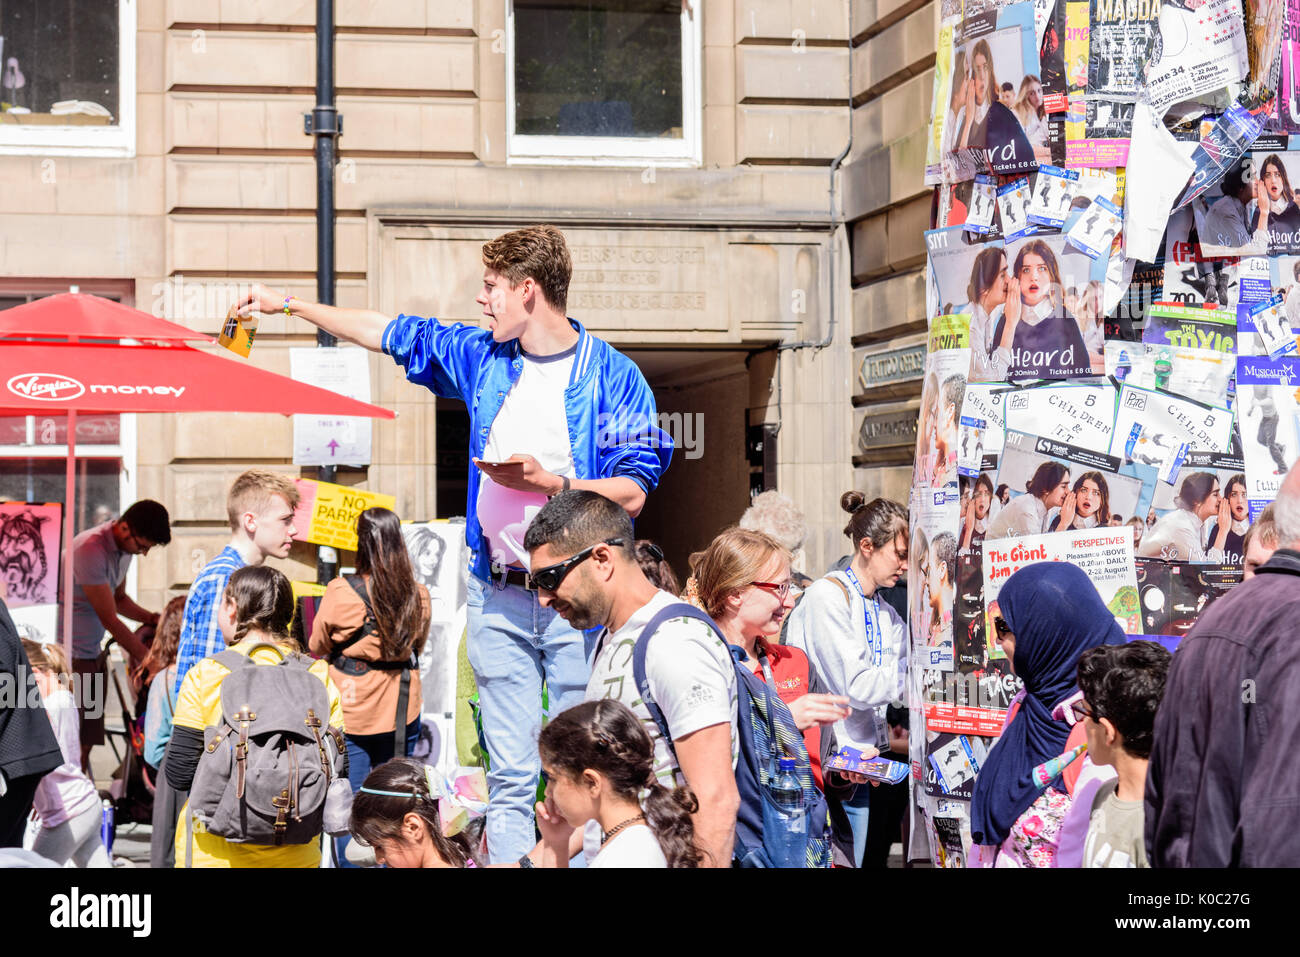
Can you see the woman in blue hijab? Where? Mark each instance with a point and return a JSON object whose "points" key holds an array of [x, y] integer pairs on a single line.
{"points": [[1050, 615]]}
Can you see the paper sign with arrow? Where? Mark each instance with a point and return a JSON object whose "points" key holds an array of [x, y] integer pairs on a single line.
{"points": [[332, 440]]}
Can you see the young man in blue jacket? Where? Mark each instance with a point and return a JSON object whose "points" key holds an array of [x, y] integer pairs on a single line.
{"points": [[551, 407]]}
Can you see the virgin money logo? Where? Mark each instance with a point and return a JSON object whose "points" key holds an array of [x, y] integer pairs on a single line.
{"points": [[45, 386]]}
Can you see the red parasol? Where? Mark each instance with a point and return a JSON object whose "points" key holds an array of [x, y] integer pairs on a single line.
{"points": [[46, 365]]}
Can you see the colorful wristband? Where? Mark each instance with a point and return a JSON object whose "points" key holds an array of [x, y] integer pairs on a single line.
{"points": [[287, 300]]}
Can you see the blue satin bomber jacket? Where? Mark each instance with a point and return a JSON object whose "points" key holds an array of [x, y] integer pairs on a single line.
{"points": [[613, 424]]}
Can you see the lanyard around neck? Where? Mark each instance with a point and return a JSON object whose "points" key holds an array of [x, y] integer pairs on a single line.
{"points": [[871, 612]]}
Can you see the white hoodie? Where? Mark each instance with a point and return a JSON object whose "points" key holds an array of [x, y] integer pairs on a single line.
{"points": [[832, 631]]}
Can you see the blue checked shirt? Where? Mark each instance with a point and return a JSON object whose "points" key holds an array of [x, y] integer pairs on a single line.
{"points": [[200, 636]]}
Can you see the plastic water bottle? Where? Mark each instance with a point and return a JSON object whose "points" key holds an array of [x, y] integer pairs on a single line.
{"points": [[107, 827], [791, 847]]}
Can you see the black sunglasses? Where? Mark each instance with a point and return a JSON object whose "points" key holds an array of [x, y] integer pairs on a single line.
{"points": [[1001, 626], [549, 578]]}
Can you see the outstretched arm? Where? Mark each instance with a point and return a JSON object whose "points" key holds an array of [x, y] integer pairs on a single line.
{"points": [[365, 327]]}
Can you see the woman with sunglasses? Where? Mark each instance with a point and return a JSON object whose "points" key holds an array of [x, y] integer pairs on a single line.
{"points": [[1047, 615], [743, 581]]}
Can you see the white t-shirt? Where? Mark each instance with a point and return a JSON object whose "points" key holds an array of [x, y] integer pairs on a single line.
{"points": [[532, 422], [691, 678], [690, 674], [634, 846]]}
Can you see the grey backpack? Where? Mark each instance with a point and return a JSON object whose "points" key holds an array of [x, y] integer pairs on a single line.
{"points": [[266, 771]]}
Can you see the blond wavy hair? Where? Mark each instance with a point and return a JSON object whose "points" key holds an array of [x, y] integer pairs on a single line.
{"points": [[731, 562]]}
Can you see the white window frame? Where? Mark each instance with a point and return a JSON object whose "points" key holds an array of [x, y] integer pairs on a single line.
{"points": [[114, 141], [533, 150]]}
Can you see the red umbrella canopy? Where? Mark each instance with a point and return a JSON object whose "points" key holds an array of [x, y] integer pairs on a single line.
{"points": [[48, 377], [89, 317]]}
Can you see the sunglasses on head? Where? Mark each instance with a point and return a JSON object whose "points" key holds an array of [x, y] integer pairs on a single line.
{"points": [[549, 578]]}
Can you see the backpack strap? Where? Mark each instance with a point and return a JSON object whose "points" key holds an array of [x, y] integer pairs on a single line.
{"points": [[842, 587], [399, 726], [368, 626], [231, 660], [357, 666], [675, 610]]}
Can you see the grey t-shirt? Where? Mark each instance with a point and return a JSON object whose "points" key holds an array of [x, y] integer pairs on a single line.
{"points": [[1115, 836], [96, 560]]}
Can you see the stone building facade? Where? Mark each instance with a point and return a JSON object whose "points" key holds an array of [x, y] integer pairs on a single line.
{"points": [[748, 260]]}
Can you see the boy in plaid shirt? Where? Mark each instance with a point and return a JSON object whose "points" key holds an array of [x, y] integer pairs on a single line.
{"points": [[260, 506]]}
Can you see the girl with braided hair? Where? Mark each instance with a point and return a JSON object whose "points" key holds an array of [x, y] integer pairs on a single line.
{"points": [[599, 766]]}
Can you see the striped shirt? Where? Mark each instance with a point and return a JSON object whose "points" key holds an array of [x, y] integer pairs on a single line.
{"points": [[200, 636]]}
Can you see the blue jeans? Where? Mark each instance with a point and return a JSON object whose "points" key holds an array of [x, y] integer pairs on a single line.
{"points": [[366, 752], [514, 646], [858, 809]]}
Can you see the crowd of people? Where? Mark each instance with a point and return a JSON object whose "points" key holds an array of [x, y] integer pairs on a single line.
{"points": [[628, 720]]}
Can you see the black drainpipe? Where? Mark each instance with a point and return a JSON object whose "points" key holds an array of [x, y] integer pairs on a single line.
{"points": [[325, 124]]}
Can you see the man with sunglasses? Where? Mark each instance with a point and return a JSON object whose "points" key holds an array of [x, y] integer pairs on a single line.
{"points": [[585, 568], [100, 559]]}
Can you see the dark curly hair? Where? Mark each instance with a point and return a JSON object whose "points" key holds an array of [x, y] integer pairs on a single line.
{"points": [[605, 736], [1124, 684]]}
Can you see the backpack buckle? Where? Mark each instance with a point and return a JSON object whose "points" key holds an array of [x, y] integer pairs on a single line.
{"points": [[281, 804]]}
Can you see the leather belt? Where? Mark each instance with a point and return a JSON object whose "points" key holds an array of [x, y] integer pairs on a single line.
{"points": [[514, 576]]}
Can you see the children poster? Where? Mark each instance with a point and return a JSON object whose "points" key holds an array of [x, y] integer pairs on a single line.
{"points": [[1078, 414], [1152, 425], [985, 402]]}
